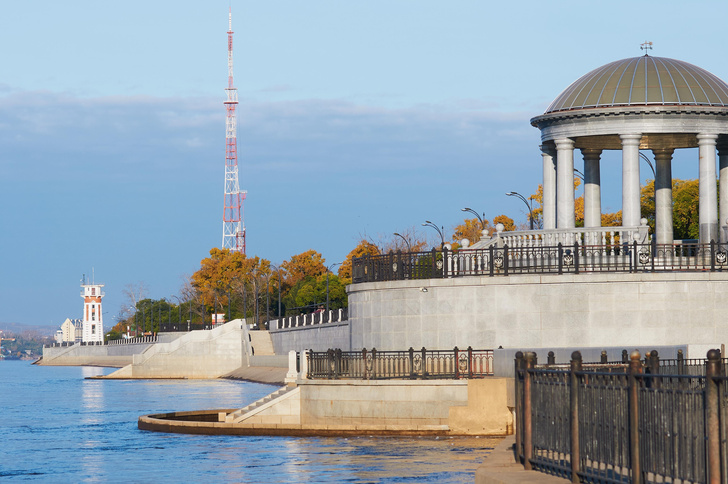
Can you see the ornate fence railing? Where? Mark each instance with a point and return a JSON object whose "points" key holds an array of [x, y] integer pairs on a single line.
{"points": [[643, 424], [558, 259], [412, 364]]}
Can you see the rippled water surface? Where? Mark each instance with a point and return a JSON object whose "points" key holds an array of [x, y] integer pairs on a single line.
{"points": [[59, 427]]}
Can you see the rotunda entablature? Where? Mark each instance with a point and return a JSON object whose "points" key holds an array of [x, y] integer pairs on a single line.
{"points": [[660, 126]]}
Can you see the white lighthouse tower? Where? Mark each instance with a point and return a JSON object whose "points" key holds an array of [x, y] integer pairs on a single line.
{"points": [[93, 323]]}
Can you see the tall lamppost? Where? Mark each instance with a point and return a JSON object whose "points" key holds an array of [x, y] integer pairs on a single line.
{"points": [[278, 271], [482, 219], [409, 247], [179, 312], [579, 174], [328, 270], [530, 209], [439, 231]]}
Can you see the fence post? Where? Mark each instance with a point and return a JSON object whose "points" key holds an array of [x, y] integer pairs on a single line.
{"points": [[604, 356], [574, 415], [374, 363], [444, 262], [411, 352], [527, 425], [680, 363], [625, 356], [712, 370], [519, 366], [364, 361], [505, 259], [457, 366], [712, 255], [470, 362], [330, 355], [551, 358], [655, 368], [337, 363], [635, 368], [491, 260], [424, 362], [561, 258], [576, 257]]}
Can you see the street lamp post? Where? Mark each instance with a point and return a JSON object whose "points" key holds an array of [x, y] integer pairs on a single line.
{"points": [[530, 209], [482, 219], [409, 247], [649, 163], [439, 231], [179, 312]]}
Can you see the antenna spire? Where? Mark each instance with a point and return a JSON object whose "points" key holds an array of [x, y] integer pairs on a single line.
{"points": [[233, 226]]}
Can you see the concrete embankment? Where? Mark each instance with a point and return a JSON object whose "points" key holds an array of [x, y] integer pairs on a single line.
{"points": [[115, 356], [391, 407]]}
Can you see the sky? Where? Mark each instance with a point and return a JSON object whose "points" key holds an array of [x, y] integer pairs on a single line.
{"points": [[356, 119]]}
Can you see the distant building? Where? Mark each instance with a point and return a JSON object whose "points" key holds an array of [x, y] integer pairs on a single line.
{"points": [[71, 331], [93, 324]]}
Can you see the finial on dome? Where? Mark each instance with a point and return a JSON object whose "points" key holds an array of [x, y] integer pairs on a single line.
{"points": [[646, 46]]}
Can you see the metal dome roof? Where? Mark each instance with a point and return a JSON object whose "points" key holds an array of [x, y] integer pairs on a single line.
{"points": [[641, 81]]}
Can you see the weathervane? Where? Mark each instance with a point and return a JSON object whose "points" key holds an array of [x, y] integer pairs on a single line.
{"points": [[646, 46]]}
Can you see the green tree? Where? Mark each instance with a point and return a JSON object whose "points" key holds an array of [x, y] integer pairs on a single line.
{"points": [[685, 199]]}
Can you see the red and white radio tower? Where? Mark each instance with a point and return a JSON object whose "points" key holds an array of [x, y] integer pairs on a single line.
{"points": [[233, 225]]}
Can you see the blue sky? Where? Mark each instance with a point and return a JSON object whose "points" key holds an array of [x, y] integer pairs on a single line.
{"points": [[355, 117]]}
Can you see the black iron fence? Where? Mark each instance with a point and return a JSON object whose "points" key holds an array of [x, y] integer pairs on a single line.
{"points": [[559, 259], [653, 421], [412, 364]]}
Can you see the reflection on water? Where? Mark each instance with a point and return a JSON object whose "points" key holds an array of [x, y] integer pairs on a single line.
{"points": [[90, 434]]}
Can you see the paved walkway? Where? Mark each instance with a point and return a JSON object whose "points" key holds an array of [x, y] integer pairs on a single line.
{"points": [[500, 468]]}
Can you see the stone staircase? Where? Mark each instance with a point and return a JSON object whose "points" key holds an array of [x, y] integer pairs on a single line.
{"points": [[260, 405], [261, 342]]}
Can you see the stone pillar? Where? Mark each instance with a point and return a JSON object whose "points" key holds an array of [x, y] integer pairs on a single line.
{"points": [[630, 179], [723, 164], [592, 188], [549, 188], [565, 183], [663, 196], [708, 210]]}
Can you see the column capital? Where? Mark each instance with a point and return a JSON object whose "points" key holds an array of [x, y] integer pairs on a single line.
{"points": [[630, 138], [547, 149], [564, 144], [663, 153], [591, 153], [707, 138]]}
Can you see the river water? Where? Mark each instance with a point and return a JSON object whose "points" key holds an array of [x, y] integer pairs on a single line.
{"points": [[57, 426]]}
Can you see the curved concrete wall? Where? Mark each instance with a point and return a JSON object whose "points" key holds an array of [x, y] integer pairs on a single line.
{"points": [[585, 310]]}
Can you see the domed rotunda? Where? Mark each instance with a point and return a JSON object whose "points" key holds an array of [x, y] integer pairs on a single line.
{"points": [[640, 103]]}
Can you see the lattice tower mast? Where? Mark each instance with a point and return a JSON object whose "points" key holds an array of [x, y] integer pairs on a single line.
{"points": [[233, 224]]}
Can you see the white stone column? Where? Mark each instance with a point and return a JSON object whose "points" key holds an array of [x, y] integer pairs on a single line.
{"points": [[565, 183], [723, 164], [708, 210], [549, 188], [592, 188], [630, 179], [663, 196]]}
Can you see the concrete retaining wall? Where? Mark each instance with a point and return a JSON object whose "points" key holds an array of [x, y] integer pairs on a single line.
{"points": [[532, 311], [91, 355], [198, 354], [319, 337]]}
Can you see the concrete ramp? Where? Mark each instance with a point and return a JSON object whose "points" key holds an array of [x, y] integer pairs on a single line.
{"points": [[197, 354]]}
